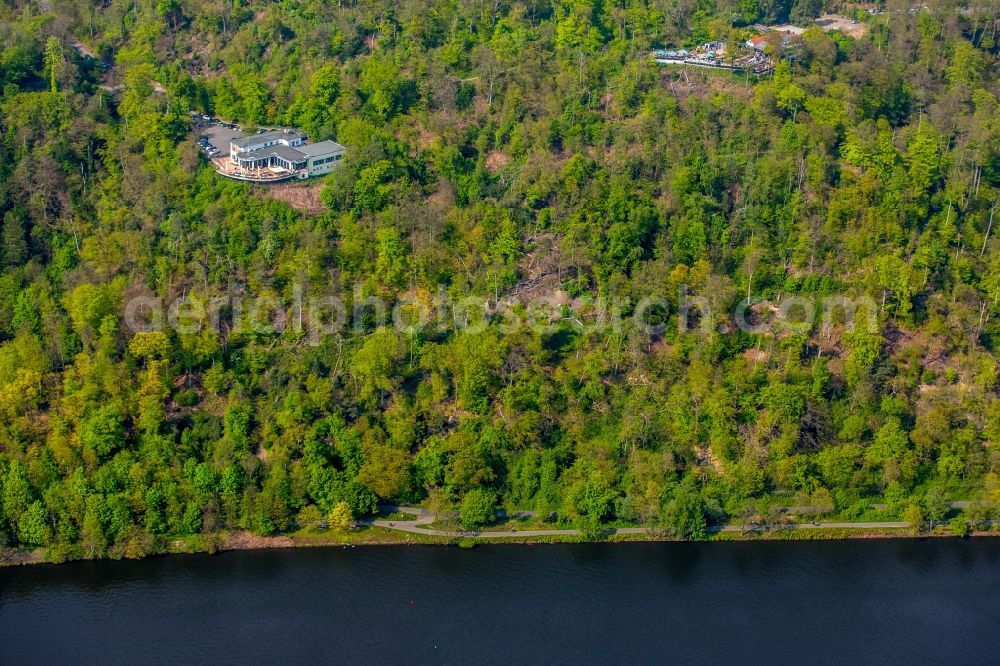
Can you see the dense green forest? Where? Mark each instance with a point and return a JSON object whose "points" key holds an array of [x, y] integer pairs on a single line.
{"points": [[500, 151]]}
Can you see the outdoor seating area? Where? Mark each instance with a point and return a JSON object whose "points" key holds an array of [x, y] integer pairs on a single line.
{"points": [[261, 174]]}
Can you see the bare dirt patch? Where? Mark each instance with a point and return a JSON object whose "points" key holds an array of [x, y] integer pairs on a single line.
{"points": [[684, 82], [298, 195], [496, 160], [13, 557], [425, 138], [248, 541]]}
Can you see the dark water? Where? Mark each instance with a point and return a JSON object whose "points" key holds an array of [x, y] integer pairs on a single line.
{"points": [[870, 601]]}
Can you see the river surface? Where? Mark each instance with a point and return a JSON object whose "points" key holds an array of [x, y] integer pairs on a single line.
{"points": [[913, 601]]}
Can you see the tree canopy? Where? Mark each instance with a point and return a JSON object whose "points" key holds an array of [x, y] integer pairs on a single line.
{"points": [[517, 158]]}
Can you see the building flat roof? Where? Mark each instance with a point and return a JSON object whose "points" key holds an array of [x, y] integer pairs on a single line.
{"points": [[788, 28], [270, 135], [281, 150], [321, 148], [285, 152]]}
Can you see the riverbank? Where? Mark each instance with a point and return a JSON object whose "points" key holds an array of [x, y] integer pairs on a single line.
{"points": [[413, 532]]}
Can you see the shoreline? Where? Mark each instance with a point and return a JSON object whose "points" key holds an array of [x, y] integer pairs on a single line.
{"points": [[376, 535]]}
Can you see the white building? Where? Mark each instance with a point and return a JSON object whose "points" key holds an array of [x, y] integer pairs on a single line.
{"points": [[279, 155], [322, 157]]}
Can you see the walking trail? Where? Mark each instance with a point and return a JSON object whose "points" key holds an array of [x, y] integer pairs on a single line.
{"points": [[422, 519]]}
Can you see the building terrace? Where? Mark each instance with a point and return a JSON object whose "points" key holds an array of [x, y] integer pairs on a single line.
{"points": [[269, 156]]}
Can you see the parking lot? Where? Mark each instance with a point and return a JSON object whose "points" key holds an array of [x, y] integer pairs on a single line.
{"points": [[847, 26], [214, 136]]}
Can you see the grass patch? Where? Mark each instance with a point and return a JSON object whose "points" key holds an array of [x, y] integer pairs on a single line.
{"points": [[397, 516]]}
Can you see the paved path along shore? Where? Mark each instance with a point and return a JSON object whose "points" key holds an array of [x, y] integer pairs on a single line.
{"points": [[419, 525]]}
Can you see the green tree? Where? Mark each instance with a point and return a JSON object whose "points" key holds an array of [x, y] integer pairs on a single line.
{"points": [[373, 364], [390, 265], [383, 88], [914, 516], [684, 515], [935, 506], [33, 528], [238, 423], [372, 188], [53, 61], [316, 113], [478, 508], [104, 431], [16, 491], [14, 241], [593, 498], [89, 307], [341, 517]]}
